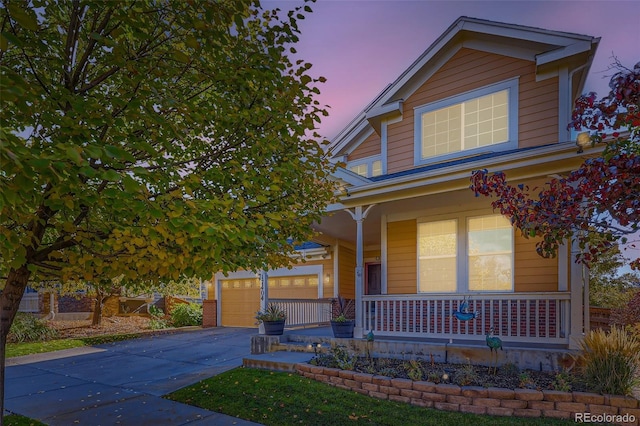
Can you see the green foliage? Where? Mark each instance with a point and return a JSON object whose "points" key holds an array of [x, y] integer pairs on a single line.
{"points": [[158, 319], [28, 328], [273, 313], [607, 287], [154, 143], [414, 370], [186, 314], [465, 375], [610, 361], [16, 420]]}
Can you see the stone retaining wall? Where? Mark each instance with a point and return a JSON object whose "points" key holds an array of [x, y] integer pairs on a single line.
{"points": [[475, 399]]}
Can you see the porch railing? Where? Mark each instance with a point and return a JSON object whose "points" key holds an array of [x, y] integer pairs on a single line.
{"points": [[29, 303], [516, 317], [303, 312]]}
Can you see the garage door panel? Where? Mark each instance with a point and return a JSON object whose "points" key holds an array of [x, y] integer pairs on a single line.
{"points": [[240, 301]]}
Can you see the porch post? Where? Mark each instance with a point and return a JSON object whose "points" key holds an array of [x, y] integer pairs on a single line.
{"points": [[579, 299], [264, 295], [359, 216]]}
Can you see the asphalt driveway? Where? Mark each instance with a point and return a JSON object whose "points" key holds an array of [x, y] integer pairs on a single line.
{"points": [[122, 383]]}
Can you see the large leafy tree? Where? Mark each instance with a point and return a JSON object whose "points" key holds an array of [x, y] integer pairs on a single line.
{"points": [[601, 197], [152, 139]]}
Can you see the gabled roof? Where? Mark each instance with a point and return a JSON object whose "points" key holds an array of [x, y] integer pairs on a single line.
{"points": [[547, 48]]}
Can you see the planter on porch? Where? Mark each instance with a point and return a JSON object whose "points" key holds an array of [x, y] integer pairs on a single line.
{"points": [[343, 329], [273, 328]]}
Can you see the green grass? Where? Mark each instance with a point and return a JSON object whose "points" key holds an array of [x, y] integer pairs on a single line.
{"points": [[15, 420], [28, 348], [289, 399]]}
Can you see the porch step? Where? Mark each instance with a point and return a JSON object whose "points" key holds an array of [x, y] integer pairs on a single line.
{"points": [[276, 361]]}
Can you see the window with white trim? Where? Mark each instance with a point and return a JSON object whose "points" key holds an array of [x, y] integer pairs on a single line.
{"points": [[465, 254], [467, 123], [367, 167]]}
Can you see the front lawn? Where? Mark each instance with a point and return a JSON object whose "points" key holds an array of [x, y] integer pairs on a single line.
{"points": [[289, 399]]}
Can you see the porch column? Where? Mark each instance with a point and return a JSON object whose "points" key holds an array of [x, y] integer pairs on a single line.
{"points": [[264, 295], [359, 216], [579, 309]]}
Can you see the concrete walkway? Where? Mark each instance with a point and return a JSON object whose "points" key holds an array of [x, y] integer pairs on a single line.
{"points": [[122, 383]]}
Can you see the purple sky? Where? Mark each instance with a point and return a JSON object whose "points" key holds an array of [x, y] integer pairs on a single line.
{"points": [[360, 46]]}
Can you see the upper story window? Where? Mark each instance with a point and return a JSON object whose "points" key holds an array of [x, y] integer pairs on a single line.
{"points": [[468, 123], [367, 167]]}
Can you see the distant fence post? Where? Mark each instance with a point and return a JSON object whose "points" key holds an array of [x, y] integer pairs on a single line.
{"points": [[210, 313]]}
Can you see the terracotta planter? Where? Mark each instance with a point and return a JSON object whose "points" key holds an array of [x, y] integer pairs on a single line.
{"points": [[343, 329], [273, 328]]}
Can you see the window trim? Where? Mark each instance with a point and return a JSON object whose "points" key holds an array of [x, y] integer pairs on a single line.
{"points": [[512, 143], [462, 256]]}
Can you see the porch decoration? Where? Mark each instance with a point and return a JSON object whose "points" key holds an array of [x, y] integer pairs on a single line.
{"points": [[273, 319], [342, 322], [463, 313], [493, 343]]}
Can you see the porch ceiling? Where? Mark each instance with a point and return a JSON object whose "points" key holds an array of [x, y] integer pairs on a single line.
{"points": [[340, 224]]}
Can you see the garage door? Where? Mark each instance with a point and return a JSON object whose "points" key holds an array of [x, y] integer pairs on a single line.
{"points": [[241, 297], [240, 302]]}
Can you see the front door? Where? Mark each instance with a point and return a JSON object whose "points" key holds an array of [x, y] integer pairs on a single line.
{"points": [[373, 278]]}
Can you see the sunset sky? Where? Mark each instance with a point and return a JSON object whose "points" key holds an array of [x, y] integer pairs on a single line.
{"points": [[360, 46]]}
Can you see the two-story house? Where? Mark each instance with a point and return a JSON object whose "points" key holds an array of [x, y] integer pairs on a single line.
{"points": [[408, 239]]}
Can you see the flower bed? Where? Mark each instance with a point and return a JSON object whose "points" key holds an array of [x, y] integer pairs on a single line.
{"points": [[479, 400]]}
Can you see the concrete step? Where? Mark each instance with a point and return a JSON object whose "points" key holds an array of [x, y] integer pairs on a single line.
{"points": [[276, 361]]}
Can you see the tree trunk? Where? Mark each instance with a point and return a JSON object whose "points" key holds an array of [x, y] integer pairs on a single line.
{"points": [[97, 309], [9, 303]]}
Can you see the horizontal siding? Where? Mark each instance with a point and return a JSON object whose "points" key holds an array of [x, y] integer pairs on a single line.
{"points": [[533, 272], [468, 70], [401, 257], [347, 277], [368, 148]]}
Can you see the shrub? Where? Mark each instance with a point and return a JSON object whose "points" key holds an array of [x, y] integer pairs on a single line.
{"points": [[610, 361], [28, 328], [186, 314], [158, 319]]}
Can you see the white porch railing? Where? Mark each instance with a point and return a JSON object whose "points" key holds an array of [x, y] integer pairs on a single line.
{"points": [[29, 303], [515, 317], [302, 312]]}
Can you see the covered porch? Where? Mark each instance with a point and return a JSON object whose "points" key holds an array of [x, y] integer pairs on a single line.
{"points": [[520, 316]]}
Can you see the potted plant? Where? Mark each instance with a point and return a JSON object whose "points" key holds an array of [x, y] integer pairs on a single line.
{"points": [[273, 319], [342, 322]]}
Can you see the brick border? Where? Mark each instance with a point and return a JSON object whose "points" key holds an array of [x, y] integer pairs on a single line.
{"points": [[474, 399]]}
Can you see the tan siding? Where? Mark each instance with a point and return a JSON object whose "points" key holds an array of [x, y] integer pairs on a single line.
{"points": [[295, 287], [347, 267], [371, 254], [401, 257], [468, 70], [371, 146], [532, 272]]}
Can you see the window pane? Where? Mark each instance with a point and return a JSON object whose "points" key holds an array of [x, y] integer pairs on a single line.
{"points": [[490, 240], [376, 168], [437, 248]]}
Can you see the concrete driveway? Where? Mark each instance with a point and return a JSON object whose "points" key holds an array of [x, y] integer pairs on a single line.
{"points": [[122, 383]]}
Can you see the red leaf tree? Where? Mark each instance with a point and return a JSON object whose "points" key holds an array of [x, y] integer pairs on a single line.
{"points": [[601, 197]]}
